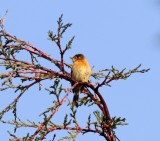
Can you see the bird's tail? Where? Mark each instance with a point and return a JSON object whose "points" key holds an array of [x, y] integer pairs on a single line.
{"points": [[75, 100]]}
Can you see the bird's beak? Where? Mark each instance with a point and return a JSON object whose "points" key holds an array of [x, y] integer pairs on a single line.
{"points": [[71, 58]]}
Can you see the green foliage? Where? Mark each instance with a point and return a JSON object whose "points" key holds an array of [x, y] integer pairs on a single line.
{"points": [[118, 121], [29, 73]]}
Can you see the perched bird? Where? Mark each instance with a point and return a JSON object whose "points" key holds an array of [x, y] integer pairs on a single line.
{"points": [[81, 71]]}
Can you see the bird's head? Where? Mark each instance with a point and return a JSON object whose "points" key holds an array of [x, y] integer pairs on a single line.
{"points": [[77, 57]]}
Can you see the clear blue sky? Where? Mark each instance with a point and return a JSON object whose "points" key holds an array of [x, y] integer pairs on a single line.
{"points": [[122, 33]]}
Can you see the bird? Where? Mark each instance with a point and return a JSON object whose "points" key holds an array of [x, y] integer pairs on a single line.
{"points": [[80, 71]]}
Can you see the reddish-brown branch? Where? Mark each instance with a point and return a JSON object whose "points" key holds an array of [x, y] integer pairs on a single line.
{"points": [[65, 76], [103, 82], [80, 130], [102, 101], [53, 112], [58, 42], [34, 49]]}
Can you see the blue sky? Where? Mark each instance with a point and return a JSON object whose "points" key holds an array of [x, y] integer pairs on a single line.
{"points": [[120, 33]]}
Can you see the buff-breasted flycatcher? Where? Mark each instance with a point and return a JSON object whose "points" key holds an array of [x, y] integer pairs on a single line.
{"points": [[81, 71]]}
